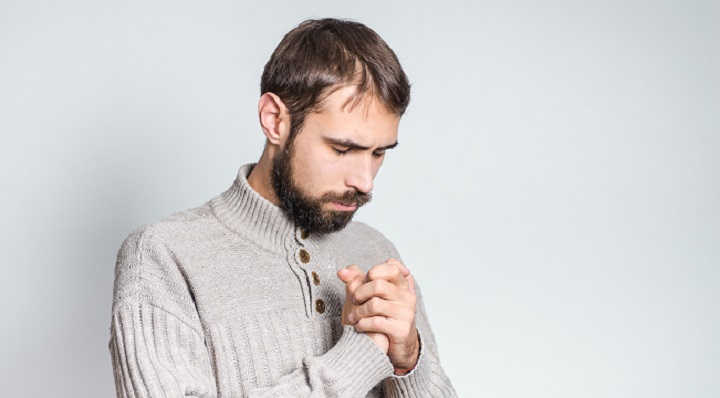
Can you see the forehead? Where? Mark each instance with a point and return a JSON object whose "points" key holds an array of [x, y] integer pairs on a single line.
{"points": [[343, 115], [346, 97]]}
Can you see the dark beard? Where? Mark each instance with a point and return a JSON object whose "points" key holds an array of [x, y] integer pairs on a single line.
{"points": [[305, 211]]}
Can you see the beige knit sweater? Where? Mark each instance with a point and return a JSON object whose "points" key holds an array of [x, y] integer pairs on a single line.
{"points": [[230, 299]]}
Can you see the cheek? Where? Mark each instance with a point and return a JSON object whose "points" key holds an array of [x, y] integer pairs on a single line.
{"points": [[320, 171]]}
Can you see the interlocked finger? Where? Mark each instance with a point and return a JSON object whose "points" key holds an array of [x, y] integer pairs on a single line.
{"points": [[389, 271], [379, 288], [403, 269], [376, 307], [378, 324], [356, 282]]}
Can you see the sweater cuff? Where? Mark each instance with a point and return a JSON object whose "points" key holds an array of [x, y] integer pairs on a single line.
{"points": [[413, 377], [355, 364]]}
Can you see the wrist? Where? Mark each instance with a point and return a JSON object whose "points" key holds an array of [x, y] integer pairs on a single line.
{"points": [[408, 366]]}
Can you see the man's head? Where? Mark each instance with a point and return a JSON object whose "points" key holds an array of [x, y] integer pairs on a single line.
{"points": [[342, 91]]}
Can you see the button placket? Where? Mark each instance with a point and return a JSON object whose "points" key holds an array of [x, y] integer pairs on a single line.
{"points": [[309, 257], [300, 270], [305, 259]]}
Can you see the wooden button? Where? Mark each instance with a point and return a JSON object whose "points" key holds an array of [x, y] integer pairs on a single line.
{"points": [[304, 256], [319, 306], [304, 234], [316, 278]]}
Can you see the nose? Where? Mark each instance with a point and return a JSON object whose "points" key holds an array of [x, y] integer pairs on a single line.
{"points": [[361, 176]]}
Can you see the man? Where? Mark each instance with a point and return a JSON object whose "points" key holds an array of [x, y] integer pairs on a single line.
{"points": [[268, 290]]}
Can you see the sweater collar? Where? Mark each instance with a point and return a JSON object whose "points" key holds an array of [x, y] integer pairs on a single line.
{"points": [[244, 211]]}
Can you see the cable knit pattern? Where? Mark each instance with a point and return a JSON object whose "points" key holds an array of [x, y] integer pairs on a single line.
{"points": [[230, 299]]}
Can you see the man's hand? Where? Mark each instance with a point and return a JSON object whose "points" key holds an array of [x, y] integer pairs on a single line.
{"points": [[385, 304], [353, 277]]}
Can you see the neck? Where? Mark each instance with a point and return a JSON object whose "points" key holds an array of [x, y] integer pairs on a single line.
{"points": [[260, 178]]}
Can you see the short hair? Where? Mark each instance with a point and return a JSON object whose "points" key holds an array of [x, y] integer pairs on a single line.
{"points": [[321, 55]]}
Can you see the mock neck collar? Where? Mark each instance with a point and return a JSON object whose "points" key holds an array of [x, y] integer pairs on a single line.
{"points": [[244, 211]]}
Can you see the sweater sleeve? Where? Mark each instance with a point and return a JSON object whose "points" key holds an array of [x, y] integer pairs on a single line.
{"points": [[157, 343], [158, 347], [155, 354], [350, 369]]}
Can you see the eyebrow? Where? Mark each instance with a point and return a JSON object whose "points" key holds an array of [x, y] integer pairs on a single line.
{"points": [[350, 144]]}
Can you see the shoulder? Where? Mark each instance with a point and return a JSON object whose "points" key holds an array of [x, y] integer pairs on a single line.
{"points": [[147, 267], [180, 226]]}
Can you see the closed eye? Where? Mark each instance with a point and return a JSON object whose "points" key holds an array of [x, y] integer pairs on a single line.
{"points": [[342, 147], [340, 151]]}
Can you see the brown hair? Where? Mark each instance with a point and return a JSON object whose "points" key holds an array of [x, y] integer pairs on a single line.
{"points": [[320, 56]]}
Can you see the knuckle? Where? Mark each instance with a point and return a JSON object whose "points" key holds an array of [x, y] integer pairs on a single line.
{"points": [[381, 286], [373, 287], [365, 324], [374, 305], [374, 273]]}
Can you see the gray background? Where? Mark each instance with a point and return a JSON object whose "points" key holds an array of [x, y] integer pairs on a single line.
{"points": [[556, 191]]}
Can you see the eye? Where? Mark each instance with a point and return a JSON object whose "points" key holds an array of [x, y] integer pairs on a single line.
{"points": [[340, 151], [379, 154]]}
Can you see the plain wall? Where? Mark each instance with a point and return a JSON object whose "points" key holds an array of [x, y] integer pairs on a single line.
{"points": [[556, 190]]}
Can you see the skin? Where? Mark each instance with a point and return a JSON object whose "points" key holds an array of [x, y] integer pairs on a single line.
{"points": [[382, 304], [318, 165], [341, 148]]}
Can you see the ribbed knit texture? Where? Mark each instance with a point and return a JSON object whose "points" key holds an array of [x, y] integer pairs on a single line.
{"points": [[216, 302]]}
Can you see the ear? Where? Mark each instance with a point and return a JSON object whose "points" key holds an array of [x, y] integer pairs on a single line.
{"points": [[274, 118]]}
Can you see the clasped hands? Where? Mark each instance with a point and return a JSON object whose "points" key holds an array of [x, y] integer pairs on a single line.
{"points": [[382, 305]]}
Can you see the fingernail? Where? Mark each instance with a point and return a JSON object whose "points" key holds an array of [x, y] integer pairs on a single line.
{"points": [[352, 318]]}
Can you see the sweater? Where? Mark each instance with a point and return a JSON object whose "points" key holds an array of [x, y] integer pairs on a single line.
{"points": [[231, 299]]}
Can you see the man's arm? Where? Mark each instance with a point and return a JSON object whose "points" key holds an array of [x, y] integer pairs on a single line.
{"points": [[386, 303], [159, 349]]}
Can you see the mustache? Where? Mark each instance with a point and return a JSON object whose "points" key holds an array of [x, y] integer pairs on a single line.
{"points": [[347, 198]]}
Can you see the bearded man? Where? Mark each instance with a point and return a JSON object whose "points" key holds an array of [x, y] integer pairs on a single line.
{"points": [[269, 289]]}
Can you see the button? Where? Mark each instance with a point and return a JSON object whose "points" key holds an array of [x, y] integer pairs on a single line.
{"points": [[304, 234], [319, 306], [316, 278], [304, 256]]}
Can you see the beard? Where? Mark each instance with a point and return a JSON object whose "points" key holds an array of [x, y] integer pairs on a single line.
{"points": [[305, 210]]}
